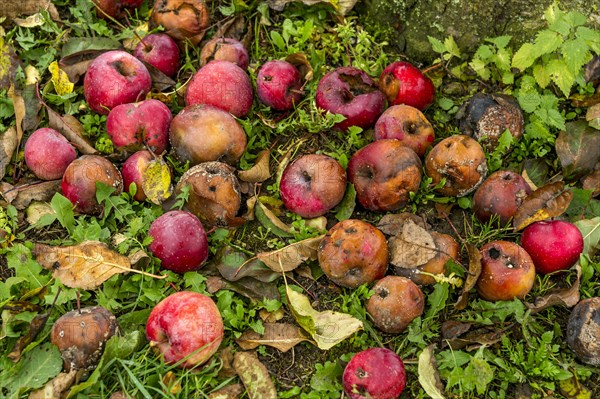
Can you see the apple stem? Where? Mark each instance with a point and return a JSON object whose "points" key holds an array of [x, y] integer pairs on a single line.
{"points": [[431, 68], [455, 231], [147, 47]]}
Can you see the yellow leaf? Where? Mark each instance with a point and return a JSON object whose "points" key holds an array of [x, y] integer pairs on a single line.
{"points": [[156, 181], [60, 80]]}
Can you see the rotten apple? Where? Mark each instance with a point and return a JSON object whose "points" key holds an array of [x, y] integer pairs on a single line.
{"points": [[133, 172], [500, 194], [48, 154], [182, 19], [403, 83], [408, 125], [224, 49], [279, 85], [583, 331], [375, 373], [160, 51]]}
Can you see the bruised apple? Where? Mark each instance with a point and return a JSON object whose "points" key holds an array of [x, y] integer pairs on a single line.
{"points": [[375, 373], [384, 174], [182, 19], [500, 194], [160, 51], [353, 252], [408, 125], [185, 325], [224, 49], [403, 83], [133, 172], [48, 153], [279, 85]]}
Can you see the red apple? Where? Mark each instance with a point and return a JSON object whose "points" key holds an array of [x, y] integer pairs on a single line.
{"points": [[133, 172], [500, 194], [408, 125], [403, 83], [553, 245], [279, 85], [137, 126], [114, 8], [179, 241], [48, 153], [350, 92], [185, 325], [375, 373], [224, 85], [507, 272], [312, 185], [160, 51], [224, 49], [115, 78], [384, 174]]}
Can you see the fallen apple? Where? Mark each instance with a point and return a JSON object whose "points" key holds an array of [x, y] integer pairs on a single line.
{"points": [[160, 51], [403, 83], [224, 49], [500, 194], [48, 153], [408, 125], [279, 85], [182, 19]]}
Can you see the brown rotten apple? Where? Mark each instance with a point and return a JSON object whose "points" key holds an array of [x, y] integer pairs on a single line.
{"points": [[500, 194], [461, 161], [384, 173], [507, 272], [182, 19], [353, 252], [224, 49], [408, 125], [395, 303]]}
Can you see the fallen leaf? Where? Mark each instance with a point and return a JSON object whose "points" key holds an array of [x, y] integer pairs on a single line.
{"points": [[280, 336], [327, 328], [592, 116], [37, 210], [260, 171], [36, 325], [592, 71], [590, 230], [572, 388], [56, 387], [72, 129], [443, 210], [233, 266], [254, 376], [472, 276], [578, 149], [429, 377], [233, 28], [32, 106], [233, 391], [591, 182], [226, 357], [31, 21], [9, 63], [546, 202], [131, 44], [392, 224], [413, 247], [564, 296], [345, 209], [8, 145], [60, 80], [139, 259], [19, 106], [160, 81], [156, 181], [84, 266], [248, 287], [535, 172], [290, 257], [21, 196], [270, 221], [342, 7], [271, 317], [76, 65], [12, 9], [301, 62]]}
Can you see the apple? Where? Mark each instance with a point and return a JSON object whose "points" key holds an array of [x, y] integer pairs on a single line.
{"points": [[375, 373], [408, 125], [225, 49], [136, 126], [583, 331], [403, 83], [352, 93], [353, 253], [79, 182], [459, 160], [133, 172], [48, 153], [202, 133], [312, 185], [185, 325], [114, 78], [81, 335], [552, 244], [224, 85], [179, 241], [183, 20], [384, 174], [107, 9], [279, 85], [160, 51], [395, 303], [507, 272], [500, 194]]}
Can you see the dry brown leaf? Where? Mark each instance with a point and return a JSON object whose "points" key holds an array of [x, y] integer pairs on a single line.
{"points": [[301, 62], [254, 375], [8, 145], [413, 247], [232, 391], [84, 266], [12, 8], [392, 224], [234, 28], [472, 276], [592, 181], [19, 106], [56, 387], [288, 258], [72, 129], [488, 335], [281, 336], [271, 317], [21, 196], [578, 149], [568, 297], [546, 202], [226, 357], [260, 171]]}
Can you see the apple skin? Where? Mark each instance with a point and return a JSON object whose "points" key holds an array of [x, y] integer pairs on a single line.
{"points": [[500, 194], [48, 153], [384, 173], [553, 245], [224, 85], [133, 172], [408, 125], [183, 20], [507, 272], [312, 185], [350, 92], [79, 182], [184, 323], [375, 373], [179, 241], [279, 85], [114, 78], [160, 51], [353, 252], [225, 49], [202, 133], [403, 83], [136, 126], [395, 303]]}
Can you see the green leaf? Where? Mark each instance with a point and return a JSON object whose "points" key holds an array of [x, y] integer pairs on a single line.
{"points": [[122, 347], [591, 37], [480, 67], [561, 75], [437, 300], [452, 47], [525, 56], [278, 40], [326, 377], [436, 45], [575, 53], [541, 75], [546, 42], [500, 41], [502, 59], [529, 101], [346, 207], [64, 211], [35, 368], [483, 52], [590, 230]]}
